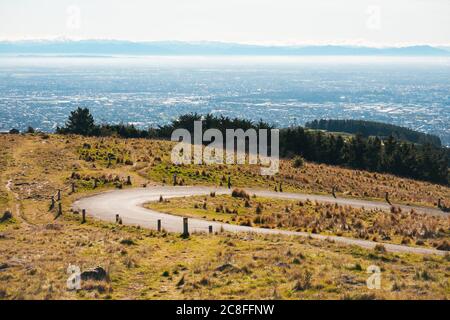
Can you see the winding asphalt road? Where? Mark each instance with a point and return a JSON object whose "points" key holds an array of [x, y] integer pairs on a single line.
{"points": [[129, 203]]}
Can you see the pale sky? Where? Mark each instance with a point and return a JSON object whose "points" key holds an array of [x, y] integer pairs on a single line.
{"points": [[367, 22]]}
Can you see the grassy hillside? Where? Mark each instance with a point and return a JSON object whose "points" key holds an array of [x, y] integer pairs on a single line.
{"points": [[36, 248]]}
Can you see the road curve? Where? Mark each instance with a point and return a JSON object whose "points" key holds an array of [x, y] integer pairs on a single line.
{"points": [[129, 203]]}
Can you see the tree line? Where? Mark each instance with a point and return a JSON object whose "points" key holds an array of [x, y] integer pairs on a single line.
{"points": [[373, 128], [423, 162], [388, 155]]}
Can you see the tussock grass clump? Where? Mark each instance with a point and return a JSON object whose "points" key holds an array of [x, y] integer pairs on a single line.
{"points": [[423, 275], [304, 281], [380, 248], [240, 193]]}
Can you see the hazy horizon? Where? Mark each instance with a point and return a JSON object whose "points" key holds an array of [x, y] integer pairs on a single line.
{"points": [[118, 47], [285, 22]]}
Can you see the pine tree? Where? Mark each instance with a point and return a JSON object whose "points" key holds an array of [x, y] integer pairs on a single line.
{"points": [[80, 122]]}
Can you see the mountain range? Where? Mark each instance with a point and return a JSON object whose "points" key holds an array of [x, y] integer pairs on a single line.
{"points": [[119, 47]]}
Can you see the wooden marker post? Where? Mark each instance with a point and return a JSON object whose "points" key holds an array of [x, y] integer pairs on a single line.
{"points": [[386, 196], [52, 203], [210, 229], [159, 225], [83, 216], [185, 228]]}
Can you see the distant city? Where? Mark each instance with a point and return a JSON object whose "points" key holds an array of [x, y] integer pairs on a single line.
{"points": [[284, 91]]}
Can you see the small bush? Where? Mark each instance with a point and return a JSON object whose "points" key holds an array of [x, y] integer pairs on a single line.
{"points": [[127, 242], [444, 245], [240, 193], [298, 162], [7, 215]]}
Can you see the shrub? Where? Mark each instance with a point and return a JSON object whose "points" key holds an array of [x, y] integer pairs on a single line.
{"points": [[298, 162], [380, 248], [7, 215], [30, 130], [444, 245], [127, 242], [240, 193], [246, 223]]}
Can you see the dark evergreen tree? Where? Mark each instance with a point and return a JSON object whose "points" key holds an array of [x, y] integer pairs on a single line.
{"points": [[80, 122]]}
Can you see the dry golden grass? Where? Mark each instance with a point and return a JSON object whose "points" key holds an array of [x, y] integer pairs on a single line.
{"points": [[399, 227], [36, 249], [148, 161], [223, 266]]}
